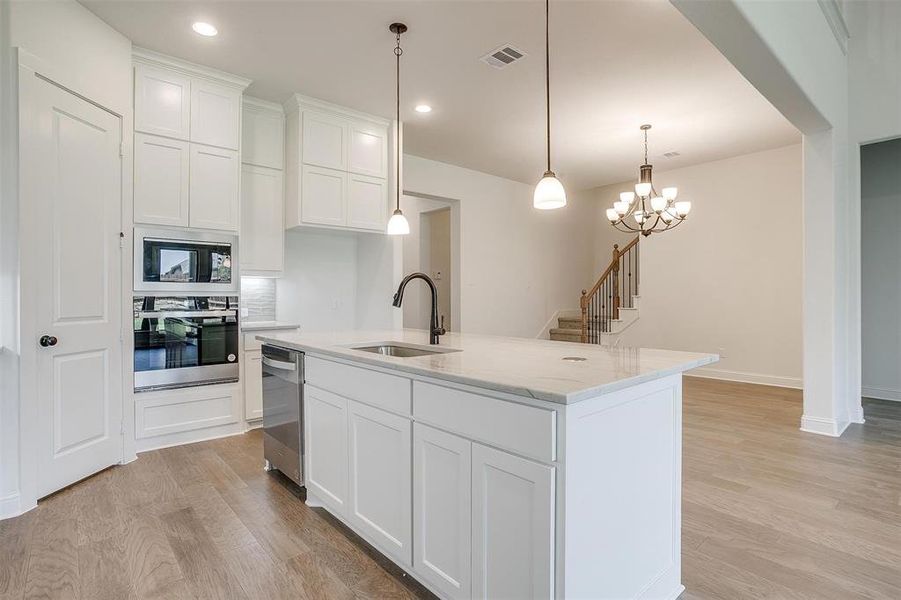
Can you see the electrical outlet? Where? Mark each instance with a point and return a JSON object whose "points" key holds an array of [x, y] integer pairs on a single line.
{"points": [[721, 351], [245, 311]]}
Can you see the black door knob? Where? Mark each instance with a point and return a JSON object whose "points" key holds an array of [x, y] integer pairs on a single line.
{"points": [[48, 340]]}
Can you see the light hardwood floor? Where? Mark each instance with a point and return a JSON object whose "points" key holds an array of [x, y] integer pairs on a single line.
{"points": [[769, 512]]}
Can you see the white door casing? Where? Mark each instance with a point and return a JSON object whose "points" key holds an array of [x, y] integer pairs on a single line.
{"points": [[70, 180]]}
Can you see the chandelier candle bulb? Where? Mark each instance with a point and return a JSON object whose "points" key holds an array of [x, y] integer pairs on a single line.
{"points": [[670, 193]]}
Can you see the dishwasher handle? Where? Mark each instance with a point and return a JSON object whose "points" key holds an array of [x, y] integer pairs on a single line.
{"points": [[279, 364]]}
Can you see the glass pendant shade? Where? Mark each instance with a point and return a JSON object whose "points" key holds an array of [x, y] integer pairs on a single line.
{"points": [[667, 215], [549, 193], [627, 197], [612, 215], [683, 208], [643, 189], [621, 208], [639, 216], [658, 204], [398, 224], [670, 193]]}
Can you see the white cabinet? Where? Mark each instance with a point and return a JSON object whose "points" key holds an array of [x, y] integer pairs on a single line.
{"points": [[263, 134], [214, 188], [323, 196], [325, 447], [253, 385], [324, 141], [337, 167], [379, 476], [262, 220], [215, 114], [368, 150], [162, 102], [366, 202], [161, 182], [442, 510], [512, 526]]}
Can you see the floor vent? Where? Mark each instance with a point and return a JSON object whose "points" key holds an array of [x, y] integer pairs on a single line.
{"points": [[503, 56]]}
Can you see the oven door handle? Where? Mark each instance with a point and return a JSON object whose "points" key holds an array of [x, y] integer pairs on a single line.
{"points": [[279, 364], [184, 314]]}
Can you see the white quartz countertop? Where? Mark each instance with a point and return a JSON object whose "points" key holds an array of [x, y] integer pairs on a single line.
{"points": [[264, 325], [525, 367]]}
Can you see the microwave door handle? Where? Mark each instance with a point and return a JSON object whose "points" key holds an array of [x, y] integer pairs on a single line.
{"points": [[279, 364], [185, 314]]}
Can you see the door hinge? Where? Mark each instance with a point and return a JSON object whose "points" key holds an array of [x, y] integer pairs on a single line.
{"points": [[121, 239], [122, 427], [121, 149]]}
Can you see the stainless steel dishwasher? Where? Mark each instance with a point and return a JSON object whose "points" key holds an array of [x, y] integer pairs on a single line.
{"points": [[283, 411]]}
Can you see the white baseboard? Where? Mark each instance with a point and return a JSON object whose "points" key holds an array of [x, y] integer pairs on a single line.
{"points": [[822, 426], [10, 506], [881, 393], [745, 377], [188, 437]]}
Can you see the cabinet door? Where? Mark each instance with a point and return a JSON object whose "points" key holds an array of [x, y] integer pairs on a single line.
{"points": [[368, 153], [512, 526], [215, 115], [263, 138], [262, 219], [161, 180], [380, 473], [442, 496], [366, 202], [324, 141], [325, 447], [162, 102], [323, 196], [214, 188], [253, 385]]}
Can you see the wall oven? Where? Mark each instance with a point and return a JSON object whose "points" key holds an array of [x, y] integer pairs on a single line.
{"points": [[184, 341], [189, 262]]}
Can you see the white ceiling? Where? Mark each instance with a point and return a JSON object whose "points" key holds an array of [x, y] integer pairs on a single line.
{"points": [[614, 66]]}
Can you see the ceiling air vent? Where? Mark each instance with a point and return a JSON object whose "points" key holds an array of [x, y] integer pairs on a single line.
{"points": [[673, 154], [503, 56]]}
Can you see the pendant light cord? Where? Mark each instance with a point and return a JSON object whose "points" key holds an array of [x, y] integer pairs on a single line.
{"points": [[397, 52], [547, 75]]}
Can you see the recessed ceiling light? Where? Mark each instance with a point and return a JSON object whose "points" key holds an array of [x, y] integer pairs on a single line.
{"points": [[423, 108], [204, 29]]}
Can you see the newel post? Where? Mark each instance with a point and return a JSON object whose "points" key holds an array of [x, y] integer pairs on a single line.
{"points": [[583, 304], [615, 274]]}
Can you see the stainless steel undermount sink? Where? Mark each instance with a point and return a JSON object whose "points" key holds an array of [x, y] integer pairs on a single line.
{"points": [[400, 350]]}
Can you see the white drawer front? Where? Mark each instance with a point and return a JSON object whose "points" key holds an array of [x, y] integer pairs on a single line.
{"points": [[523, 429], [388, 392]]}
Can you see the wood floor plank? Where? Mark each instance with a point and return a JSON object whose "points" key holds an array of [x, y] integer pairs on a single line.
{"points": [[53, 560], [102, 572], [150, 560], [15, 542]]}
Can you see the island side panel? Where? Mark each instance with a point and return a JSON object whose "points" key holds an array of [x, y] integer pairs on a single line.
{"points": [[623, 493]]}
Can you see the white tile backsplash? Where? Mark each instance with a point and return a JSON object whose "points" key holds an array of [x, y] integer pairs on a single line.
{"points": [[258, 298]]}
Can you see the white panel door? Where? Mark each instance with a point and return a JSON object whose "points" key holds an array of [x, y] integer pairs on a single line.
{"points": [[161, 180], [323, 196], [162, 102], [262, 219], [214, 188], [367, 202], [442, 504], [253, 385], [380, 478], [215, 115], [368, 154], [71, 185], [512, 526], [325, 447], [324, 141]]}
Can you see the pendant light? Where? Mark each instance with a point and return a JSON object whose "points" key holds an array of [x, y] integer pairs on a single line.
{"points": [[398, 224], [549, 193]]}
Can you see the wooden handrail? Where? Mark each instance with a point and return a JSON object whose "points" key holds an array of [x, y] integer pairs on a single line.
{"points": [[610, 280]]}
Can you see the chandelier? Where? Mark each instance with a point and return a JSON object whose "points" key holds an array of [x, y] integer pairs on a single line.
{"points": [[651, 212]]}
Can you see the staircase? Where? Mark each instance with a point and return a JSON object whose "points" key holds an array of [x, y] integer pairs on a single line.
{"points": [[609, 307]]}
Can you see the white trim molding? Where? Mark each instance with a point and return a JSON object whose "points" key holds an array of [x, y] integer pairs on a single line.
{"points": [[832, 10], [745, 377], [10, 506], [821, 426], [157, 59], [881, 393]]}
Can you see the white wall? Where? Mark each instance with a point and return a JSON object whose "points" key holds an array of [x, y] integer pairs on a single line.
{"points": [[336, 280], [518, 265], [417, 300], [728, 280], [881, 269], [81, 52]]}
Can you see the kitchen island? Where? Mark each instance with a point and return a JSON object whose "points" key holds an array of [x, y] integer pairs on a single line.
{"points": [[492, 467]]}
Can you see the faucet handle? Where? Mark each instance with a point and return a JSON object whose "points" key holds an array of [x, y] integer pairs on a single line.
{"points": [[442, 330]]}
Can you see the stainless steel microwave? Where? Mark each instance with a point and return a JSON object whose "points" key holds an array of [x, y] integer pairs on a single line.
{"points": [[185, 262]]}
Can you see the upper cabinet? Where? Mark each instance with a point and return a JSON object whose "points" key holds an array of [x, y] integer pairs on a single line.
{"points": [[263, 134], [187, 144], [337, 167]]}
